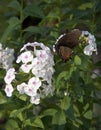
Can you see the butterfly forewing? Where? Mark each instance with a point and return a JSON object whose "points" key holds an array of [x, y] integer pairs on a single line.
{"points": [[70, 39]]}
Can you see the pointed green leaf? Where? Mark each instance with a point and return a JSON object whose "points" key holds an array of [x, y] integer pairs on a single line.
{"points": [[59, 118], [77, 60], [65, 103], [11, 125], [88, 114], [76, 110], [36, 123], [49, 112], [16, 114]]}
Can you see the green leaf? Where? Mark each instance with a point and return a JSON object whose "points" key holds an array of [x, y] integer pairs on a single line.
{"points": [[60, 78], [86, 5], [2, 99], [76, 111], [88, 114], [15, 4], [32, 29], [11, 125], [59, 118], [77, 60], [13, 21], [17, 114], [33, 10], [22, 97], [13, 24], [49, 112], [79, 121], [36, 30], [86, 106], [36, 123], [65, 103], [2, 74], [70, 112]]}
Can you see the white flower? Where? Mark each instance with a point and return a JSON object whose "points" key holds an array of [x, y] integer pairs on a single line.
{"points": [[48, 78], [91, 47], [35, 99], [37, 64], [41, 54], [21, 87], [38, 68], [26, 68], [18, 59], [91, 38], [33, 85], [6, 57], [39, 72], [85, 33], [10, 75], [30, 90], [8, 90], [47, 49], [25, 57], [35, 82], [47, 89]]}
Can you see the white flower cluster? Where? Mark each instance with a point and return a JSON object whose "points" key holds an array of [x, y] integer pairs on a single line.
{"points": [[39, 62], [91, 47], [6, 57]]}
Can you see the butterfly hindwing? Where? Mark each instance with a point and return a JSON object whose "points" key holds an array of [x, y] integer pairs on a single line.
{"points": [[65, 52]]}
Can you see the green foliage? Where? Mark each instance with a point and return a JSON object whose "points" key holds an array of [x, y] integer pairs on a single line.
{"points": [[12, 124], [71, 106], [34, 122], [15, 5], [2, 99], [13, 25], [59, 118], [33, 10], [77, 60]]}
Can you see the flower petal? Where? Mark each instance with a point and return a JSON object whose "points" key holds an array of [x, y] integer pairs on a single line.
{"points": [[8, 90]]}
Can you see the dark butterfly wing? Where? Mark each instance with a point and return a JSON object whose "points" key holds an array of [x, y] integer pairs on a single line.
{"points": [[70, 39], [65, 52]]}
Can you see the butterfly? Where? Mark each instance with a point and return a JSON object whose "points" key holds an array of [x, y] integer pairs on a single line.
{"points": [[66, 42]]}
